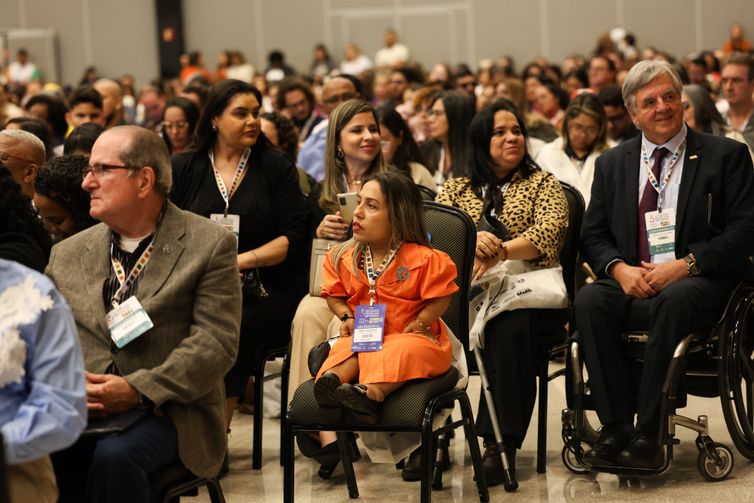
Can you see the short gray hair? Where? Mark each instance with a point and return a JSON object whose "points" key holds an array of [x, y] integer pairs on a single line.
{"points": [[145, 148], [39, 152], [641, 74]]}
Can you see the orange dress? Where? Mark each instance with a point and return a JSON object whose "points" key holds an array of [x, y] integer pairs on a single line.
{"points": [[415, 275]]}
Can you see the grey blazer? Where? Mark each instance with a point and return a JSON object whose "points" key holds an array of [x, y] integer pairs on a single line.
{"points": [[191, 290]]}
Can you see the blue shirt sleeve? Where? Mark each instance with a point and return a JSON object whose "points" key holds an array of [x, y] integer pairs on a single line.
{"points": [[311, 157], [47, 411]]}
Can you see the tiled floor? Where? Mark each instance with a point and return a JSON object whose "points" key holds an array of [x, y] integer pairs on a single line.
{"points": [[382, 483]]}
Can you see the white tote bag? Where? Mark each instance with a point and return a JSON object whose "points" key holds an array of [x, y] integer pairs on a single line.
{"points": [[511, 285]]}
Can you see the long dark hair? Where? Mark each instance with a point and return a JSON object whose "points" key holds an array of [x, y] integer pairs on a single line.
{"points": [[408, 150], [190, 110], [459, 110], [217, 101], [480, 134]]}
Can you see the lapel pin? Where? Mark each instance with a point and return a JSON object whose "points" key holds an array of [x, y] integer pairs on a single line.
{"points": [[693, 157], [167, 250]]}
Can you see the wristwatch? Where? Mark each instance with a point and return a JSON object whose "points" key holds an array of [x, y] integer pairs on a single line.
{"points": [[345, 317], [691, 265]]}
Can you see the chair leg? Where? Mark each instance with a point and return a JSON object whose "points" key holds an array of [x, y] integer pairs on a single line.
{"points": [[256, 443], [215, 491], [542, 421], [288, 465], [345, 459], [427, 464], [283, 402], [469, 432]]}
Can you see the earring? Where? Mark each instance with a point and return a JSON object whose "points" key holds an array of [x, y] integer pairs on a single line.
{"points": [[339, 152], [214, 127]]}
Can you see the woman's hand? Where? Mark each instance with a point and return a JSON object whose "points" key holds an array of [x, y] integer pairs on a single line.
{"points": [[481, 266], [346, 328], [418, 328], [488, 245], [332, 227]]}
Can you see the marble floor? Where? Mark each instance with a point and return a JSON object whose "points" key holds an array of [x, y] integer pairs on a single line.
{"points": [[382, 482]]}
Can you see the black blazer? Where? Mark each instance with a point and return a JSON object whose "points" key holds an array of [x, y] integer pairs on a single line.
{"points": [[714, 217]]}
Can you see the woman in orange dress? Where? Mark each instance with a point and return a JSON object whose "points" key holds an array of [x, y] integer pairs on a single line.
{"points": [[389, 262]]}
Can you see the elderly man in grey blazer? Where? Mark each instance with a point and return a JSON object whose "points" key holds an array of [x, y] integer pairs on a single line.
{"points": [[157, 300]]}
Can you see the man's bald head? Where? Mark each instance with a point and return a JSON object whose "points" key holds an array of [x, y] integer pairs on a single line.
{"points": [[22, 153], [112, 101], [336, 91]]}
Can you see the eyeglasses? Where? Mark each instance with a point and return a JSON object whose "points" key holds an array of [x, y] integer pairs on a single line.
{"points": [[99, 168], [587, 130], [435, 113], [174, 125], [467, 85], [4, 158], [339, 98]]}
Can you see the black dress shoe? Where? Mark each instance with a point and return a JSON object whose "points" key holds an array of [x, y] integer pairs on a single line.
{"points": [[324, 393], [605, 451], [412, 468], [493, 465], [642, 451], [354, 398]]}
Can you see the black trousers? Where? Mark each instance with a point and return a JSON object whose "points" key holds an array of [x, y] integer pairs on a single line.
{"points": [[690, 305], [515, 343]]}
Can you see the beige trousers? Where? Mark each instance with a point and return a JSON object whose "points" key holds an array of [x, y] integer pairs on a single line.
{"points": [[33, 481], [310, 327]]}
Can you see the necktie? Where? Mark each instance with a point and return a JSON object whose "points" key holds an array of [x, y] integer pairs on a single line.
{"points": [[648, 202]]}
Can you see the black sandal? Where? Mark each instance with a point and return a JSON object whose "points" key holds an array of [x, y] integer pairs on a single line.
{"points": [[364, 409], [325, 393]]}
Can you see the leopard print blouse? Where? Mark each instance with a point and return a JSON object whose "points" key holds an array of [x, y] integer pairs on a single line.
{"points": [[534, 208]]}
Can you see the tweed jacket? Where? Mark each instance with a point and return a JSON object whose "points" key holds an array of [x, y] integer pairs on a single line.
{"points": [[191, 291]]}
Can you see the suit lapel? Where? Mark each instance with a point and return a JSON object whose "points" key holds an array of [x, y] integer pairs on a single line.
{"points": [[167, 250], [690, 168], [96, 264], [631, 182]]}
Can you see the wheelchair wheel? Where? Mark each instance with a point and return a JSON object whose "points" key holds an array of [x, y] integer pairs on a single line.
{"points": [[736, 370], [569, 459], [712, 470]]}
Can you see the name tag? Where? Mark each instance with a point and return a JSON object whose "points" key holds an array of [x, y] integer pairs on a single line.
{"points": [[368, 328], [229, 222], [661, 232], [127, 322]]}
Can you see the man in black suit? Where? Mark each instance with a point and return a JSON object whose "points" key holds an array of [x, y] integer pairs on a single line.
{"points": [[670, 225]]}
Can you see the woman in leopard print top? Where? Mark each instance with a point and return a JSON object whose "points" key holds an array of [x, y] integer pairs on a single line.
{"points": [[507, 184]]}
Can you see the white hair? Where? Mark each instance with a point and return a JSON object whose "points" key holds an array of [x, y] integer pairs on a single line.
{"points": [[39, 151]]}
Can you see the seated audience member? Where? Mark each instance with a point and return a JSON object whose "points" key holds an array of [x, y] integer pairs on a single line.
{"points": [[737, 85], [50, 110], [321, 65], [619, 125], [152, 100], [239, 68], [197, 94], [394, 54], [311, 157], [37, 128], [535, 212], [112, 102], [23, 237], [8, 109], [389, 240], [42, 391], [236, 178], [352, 124], [296, 98], [419, 122], [539, 129], [179, 119], [446, 153], [283, 134], [22, 153], [602, 72], [575, 80], [550, 103], [399, 148], [81, 140], [684, 288], [189, 294], [464, 80], [85, 105], [354, 62], [737, 41], [584, 138], [62, 204]]}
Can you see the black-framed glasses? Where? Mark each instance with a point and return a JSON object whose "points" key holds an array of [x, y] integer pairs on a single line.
{"points": [[4, 157], [101, 167]]}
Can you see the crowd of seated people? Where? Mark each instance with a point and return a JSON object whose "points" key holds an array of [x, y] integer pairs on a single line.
{"points": [[191, 209]]}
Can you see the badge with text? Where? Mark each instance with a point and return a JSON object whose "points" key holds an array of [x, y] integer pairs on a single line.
{"points": [[661, 231], [229, 222], [127, 321], [368, 328]]}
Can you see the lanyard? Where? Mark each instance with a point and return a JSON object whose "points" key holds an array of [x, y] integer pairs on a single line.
{"points": [[651, 178], [120, 273], [224, 192], [372, 275]]}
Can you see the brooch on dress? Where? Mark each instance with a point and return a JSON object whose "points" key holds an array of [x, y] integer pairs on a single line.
{"points": [[402, 273]]}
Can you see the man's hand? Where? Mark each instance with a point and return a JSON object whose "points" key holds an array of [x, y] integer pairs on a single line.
{"points": [[109, 394], [487, 245], [632, 280], [662, 275], [481, 266]]}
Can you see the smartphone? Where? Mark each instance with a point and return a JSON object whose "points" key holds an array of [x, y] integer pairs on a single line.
{"points": [[348, 202]]}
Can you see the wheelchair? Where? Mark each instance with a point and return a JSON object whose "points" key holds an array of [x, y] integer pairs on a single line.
{"points": [[719, 363]]}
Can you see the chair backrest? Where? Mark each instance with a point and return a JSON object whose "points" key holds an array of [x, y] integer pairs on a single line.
{"points": [[426, 193], [569, 251], [453, 232]]}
